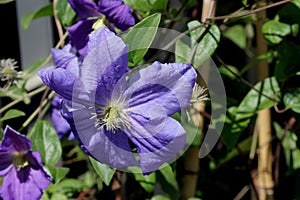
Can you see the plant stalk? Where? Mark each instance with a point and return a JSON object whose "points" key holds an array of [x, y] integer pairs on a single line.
{"points": [[265, 179]]}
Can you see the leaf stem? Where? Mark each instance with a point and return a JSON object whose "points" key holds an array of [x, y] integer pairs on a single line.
{"points": [[250, 12], [245, 81], [20, 99], [36, 112]]}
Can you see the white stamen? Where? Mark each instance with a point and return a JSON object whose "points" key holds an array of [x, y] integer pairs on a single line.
{"points": [[113, 116], [199, 94], [8, 71]]}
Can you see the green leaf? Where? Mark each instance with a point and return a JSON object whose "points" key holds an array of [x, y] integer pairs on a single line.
{"points": [[12, 113], [182, 51], [105, 172], [42, 12], [224, 71], [238, 118], [160, 5], [274, 31], [189, 3], [160, 197], [254, 101], [59, 196], [167, 179], [290, 13], [209, 38], [288, 60], [140, 37], [292, 100], [64, 12], [68, 185], [16, 93], [237, 34], [232, 128], [244, 2], [45, 140], [242, 148], [148, 5], [147, 181], [58, 173], [291, 152]]}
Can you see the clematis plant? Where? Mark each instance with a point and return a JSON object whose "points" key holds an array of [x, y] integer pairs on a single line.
{"points": [[114, 11], [24, 175], [113, 115]]}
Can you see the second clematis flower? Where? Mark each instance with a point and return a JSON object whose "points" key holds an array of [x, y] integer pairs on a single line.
{"points": [[115, 11], [24, 175], [113, 115]]}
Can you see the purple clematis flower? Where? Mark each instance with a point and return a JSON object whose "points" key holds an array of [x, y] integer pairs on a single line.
{"points": [[115, 11], [24, 175], [108, 113]]}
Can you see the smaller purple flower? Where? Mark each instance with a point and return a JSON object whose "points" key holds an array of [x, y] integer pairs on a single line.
{"points": [[116, 12], [24, 175]]}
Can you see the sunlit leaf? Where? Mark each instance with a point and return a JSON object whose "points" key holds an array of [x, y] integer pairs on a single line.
{"points": [[42, 12], [140, 37], [254, 101], [146, 181], [64, 12], [105, 172], [237, 34], [167, 180], [203, 43], [160, 197], [58, 173], [292, 100], [275, 31], [45, 140], [12, 113]]}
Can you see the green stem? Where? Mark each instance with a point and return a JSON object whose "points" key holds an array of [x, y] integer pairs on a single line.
{"points": [[20, 99], [36, 112]]}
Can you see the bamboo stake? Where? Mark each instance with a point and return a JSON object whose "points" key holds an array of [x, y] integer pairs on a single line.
{"points": [[191, 163], [265, 179]]}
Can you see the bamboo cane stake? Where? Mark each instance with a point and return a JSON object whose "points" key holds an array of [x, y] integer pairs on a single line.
{"points": [[265, 179]]}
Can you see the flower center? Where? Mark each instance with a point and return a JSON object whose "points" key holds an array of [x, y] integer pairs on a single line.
{"points": [[20, 160], [112, 117], [8, 70]]}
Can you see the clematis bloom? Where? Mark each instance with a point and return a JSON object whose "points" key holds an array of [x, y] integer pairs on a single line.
{"points": [[108, 113], [115, 11], [24, 175]]}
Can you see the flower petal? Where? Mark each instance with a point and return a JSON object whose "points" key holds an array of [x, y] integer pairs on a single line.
{"points": [[110, 148], [168, 85], [158, 140], [14, 141], [117, 13], [66, 60], [13, 189], [5, 162], [39, 174], [58, 79], [61, 125], [84, 8], [79, 35], [104, 65]]}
